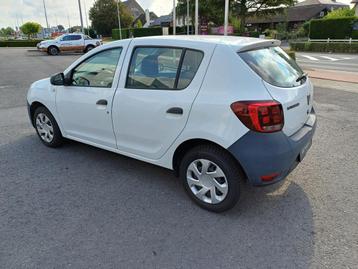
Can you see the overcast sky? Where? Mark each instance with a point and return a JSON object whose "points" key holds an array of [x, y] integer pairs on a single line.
{"points": [[15, 12]]}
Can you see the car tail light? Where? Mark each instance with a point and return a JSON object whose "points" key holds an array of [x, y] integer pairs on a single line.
{"points": [[260, 116]]}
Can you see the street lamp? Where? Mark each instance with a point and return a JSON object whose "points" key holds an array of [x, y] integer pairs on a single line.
{"points": [[196, 17], [45, 14], [79, 6], [174, 19], [226, 16], [187, 17], [119, 21]]}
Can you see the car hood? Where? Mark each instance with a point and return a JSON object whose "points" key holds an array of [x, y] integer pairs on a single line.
{"points": [[41, 84]]}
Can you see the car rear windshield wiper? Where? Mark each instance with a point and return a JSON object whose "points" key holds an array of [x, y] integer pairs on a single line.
{"points": [[303, 76]]}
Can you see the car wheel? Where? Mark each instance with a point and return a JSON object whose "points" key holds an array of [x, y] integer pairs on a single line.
{"points": [[88, 48], [52, 50], [47, 128], [211, 177]]}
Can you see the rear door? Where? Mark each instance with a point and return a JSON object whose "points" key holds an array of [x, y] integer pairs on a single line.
{"points": [[157, 88], [285, 82]]}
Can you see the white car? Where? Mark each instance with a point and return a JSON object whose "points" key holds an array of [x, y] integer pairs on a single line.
{"points": [[69, 43], [217, 110]]}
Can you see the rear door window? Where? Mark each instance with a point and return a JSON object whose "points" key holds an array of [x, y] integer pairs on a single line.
{"points": [[274, 66], [162, 68]]}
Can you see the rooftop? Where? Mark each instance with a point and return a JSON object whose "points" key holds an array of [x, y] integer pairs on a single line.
{"points": [[236, 42]]}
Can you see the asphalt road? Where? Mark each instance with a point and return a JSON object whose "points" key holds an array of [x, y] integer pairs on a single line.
{"points": [[82, 207], [330, 61]]}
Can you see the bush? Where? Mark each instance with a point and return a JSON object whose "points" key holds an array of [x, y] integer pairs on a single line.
{"points": [[324, 47], [291, 53], [19, 43], [331, 28], [138, 32], [125, 33]]}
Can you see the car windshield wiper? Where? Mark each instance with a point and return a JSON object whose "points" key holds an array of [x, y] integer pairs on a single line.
{"points": [[303, 76]]}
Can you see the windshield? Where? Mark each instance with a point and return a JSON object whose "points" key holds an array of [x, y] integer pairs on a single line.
{"points": [[274, 66], [59, 37]]}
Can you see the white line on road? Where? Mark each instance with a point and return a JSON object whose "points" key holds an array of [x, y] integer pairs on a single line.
{"points": [[310, 57], [329, 58]]}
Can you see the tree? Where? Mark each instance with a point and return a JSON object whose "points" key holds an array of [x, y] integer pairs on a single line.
{"points": [[60, 27], [6, 31], [213, 10], [104, 16], [139, 24], [340, 13], [30, 28]]}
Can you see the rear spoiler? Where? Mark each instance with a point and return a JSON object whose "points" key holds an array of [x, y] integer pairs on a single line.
{"points": [[261, 44]]}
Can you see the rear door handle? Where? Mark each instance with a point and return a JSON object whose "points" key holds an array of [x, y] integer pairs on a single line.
{"points": [[102, 102], [175, 110]]}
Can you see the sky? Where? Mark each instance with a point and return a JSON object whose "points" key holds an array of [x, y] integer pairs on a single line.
{"points": [[65, 12]]}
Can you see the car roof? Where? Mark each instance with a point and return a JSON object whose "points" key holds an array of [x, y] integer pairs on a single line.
{"points": [[238, 43]]}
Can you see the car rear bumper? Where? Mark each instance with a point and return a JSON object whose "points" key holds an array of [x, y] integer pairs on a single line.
{"points": [[272, 154]]}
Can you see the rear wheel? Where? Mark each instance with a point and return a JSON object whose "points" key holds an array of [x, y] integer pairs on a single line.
{"points": [[211, 177], [52, 50], [47, 128], [89, 47]]}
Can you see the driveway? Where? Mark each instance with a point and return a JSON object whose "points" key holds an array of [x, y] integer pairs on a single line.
{"points": [[82, 207]]}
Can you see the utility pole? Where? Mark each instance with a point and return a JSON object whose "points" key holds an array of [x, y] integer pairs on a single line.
{"points": [[196, 17], [84, 3], [187, 17], [79, 6], [174, 19], [47, 25], [119, 21], [226, 16]]}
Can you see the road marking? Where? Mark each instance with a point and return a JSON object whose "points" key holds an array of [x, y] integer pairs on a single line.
{"points": [[329, 58], [310, 57]]}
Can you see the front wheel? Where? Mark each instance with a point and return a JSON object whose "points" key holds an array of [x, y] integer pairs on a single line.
{"points": [[52, 50], [211, 177], [88, 48], [47, 128]]}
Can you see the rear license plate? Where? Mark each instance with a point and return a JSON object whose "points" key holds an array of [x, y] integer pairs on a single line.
{"points": [[305, 149]]}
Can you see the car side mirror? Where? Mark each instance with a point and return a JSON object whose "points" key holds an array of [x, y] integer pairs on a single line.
{"points": [[58, 79]]}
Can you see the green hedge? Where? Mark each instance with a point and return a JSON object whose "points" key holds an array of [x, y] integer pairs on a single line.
{"points": [[138, 32], [332, 28], [152, 31], [125, 33], [19, 43], [324, 47]]}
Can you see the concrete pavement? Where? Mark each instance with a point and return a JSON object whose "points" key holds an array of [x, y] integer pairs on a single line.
{"points": [[82, 207]]}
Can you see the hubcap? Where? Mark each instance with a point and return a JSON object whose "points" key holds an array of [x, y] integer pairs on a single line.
{"points": [[44, 127], [207, 181]]}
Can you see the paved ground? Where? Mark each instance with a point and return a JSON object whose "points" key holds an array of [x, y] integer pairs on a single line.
{"points": [[330, 61], [81, 207]]}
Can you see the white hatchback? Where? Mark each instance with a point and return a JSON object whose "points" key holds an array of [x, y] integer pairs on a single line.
{"points": [[217, 110]]}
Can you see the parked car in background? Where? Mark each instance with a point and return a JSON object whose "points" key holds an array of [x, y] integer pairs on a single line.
{"points": [[76, 42], [216, 110]]}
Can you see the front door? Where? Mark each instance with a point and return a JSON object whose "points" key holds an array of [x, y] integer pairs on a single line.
{"points": [[153, 100], [84, 107]]}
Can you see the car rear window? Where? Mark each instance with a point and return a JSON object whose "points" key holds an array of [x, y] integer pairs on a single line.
{"points": [[274, 66]]}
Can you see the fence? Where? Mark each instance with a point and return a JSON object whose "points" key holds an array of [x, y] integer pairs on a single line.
{"points": [[329, 40]]}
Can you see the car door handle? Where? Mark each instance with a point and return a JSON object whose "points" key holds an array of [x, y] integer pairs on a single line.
{"points": [[175, 110], [102, 102]]}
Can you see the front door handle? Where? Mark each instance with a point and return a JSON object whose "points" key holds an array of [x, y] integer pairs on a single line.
{"points": [[175, 110], [102, 102]]}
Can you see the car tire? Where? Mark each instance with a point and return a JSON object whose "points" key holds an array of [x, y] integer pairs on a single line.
{"points": [[211, 177], [47, 128], [88, 48], [52, 50]]}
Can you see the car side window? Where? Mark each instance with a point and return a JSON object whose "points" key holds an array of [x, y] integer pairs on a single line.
{"points": [[66, 38], [154, 68], [158, 68], [191, 62], [98, 70], [76, 37]]}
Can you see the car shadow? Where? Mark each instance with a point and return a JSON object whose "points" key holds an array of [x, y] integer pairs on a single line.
{"points": [[85, 207]]}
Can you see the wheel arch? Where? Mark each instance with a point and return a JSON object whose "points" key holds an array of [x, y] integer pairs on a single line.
{"points": [[191, 143]]}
